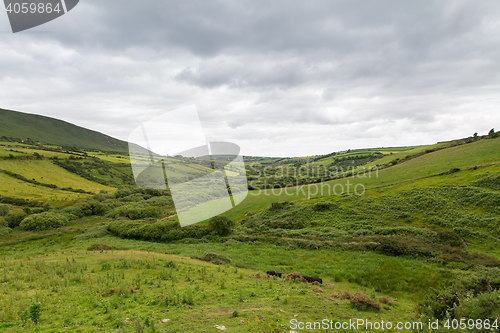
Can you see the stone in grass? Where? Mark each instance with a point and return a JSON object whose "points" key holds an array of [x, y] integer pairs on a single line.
{"points": [[220, 327], [164, 321], [126, 320]]}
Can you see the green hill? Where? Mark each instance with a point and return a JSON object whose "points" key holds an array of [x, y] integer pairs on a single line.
{"points": [[19, 125]]}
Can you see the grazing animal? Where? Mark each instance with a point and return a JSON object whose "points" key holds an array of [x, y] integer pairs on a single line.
{"points": [[273, 273], [312, 279]]}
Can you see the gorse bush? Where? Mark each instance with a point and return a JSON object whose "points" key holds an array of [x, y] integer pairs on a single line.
{"points": [[43, 221]]}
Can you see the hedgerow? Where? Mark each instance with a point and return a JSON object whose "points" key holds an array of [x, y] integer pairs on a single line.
{"points": [[165, 231]]}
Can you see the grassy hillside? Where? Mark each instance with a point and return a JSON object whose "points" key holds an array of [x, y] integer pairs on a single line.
{"points": [[53, 131]]}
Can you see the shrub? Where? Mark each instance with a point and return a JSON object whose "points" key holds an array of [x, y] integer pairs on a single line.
{"points": [[280, 205], [220, 225], [35, 311], [4, 210], [43, 221], [3, 222], [90, 208], [130, 211], [5, 231], [151, 212], [392, 247], [474, 297], [482, 306], [450, 238], [159, 231], [14, 219]]}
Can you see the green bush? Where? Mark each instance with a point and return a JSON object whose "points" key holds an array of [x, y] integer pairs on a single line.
{"points": [[4, 210], [14, 219], [389, 246], [483, 306], [3, 222], [151, 212], [130, 211], [43, 221], [5, 231], [165, 231], [35, 311], [474, 297], [221, 225]]}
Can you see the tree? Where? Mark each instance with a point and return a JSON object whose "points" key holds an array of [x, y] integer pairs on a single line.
{"points": [[491, 133], [475, 136]]}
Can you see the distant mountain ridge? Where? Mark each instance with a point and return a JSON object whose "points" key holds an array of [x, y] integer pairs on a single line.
{"points": [[53, 131]]}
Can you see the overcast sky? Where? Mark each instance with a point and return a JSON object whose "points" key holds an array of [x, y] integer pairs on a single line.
{"points": [[279, 78]]}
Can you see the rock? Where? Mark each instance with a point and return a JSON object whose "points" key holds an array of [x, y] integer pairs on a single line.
{"points": [[126, 320], [165, 321]]}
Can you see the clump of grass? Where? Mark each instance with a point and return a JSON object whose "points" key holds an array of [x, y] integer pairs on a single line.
{"points": [[362, 301]]}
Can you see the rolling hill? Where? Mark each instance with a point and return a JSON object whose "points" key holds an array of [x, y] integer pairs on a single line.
{"points": [[46, 130], [75, 230]]}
